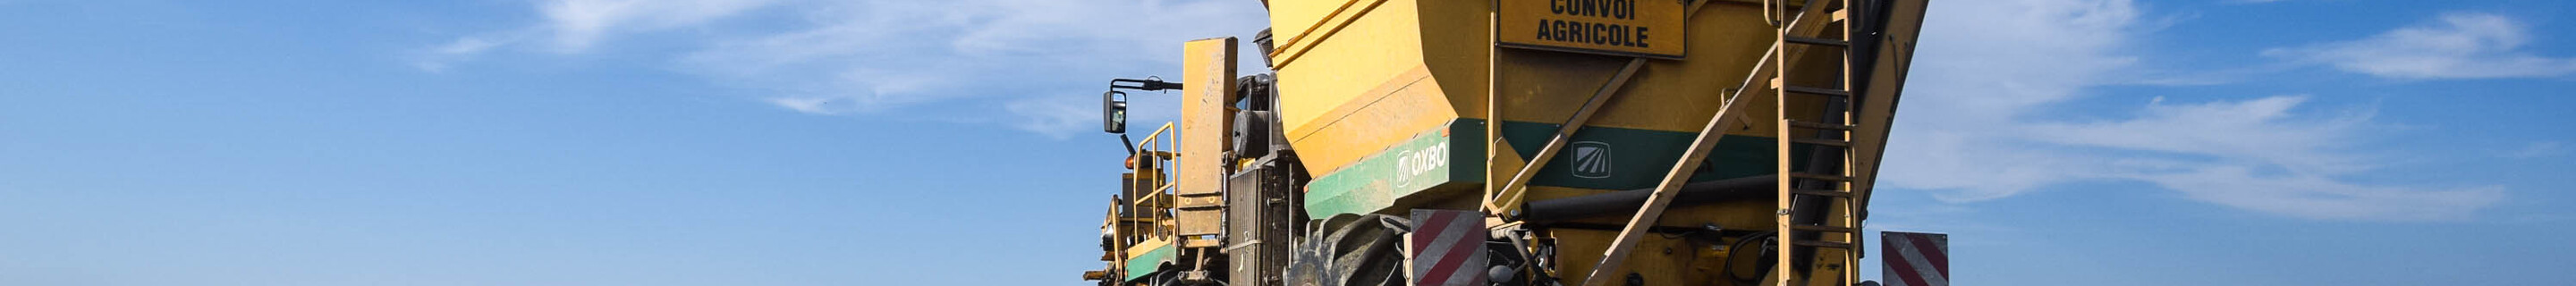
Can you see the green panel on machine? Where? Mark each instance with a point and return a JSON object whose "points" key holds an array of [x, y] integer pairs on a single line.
{"points": [[1610, 158], [1604, 158], [1429, 161], [1149, 262]]}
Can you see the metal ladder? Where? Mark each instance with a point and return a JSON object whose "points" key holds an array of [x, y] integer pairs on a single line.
{"points": [[1817, 225]]}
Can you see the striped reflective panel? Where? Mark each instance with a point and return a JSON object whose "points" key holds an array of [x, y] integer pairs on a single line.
{"points": [[1447, 248], [1914, 259]]}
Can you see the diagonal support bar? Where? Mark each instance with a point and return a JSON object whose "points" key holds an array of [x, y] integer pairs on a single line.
{"points": [[1510, 192], [1803, 25], [1493, 114], [1664, 192]]}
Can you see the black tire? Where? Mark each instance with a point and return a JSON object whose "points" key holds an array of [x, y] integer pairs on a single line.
{"points": [[1360, 251]]}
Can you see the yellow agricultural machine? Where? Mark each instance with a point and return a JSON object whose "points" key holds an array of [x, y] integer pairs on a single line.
{"points": [[1516, 142]]}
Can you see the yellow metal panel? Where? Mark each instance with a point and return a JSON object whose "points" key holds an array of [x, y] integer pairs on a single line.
{"points": [[1208, 87], [1370, 73], [1619, 27], [1879, 109], [1141, 248], [1373, 50], [1405, 105], [1358, 69], [1296, 24], [1459, 49], [1546, 86], [1659, 260], [1361, 90], [1389, 49]]}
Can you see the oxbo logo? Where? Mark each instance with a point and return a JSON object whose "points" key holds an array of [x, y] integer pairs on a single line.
{"points": [[1414, 163], [1591, 160]]}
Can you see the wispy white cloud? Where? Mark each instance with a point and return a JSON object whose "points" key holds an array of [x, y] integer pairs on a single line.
{"points": [[1059, 117], [2262, 130], [576, 25], [1982, 66], [1972, 131], [2456, 46], [2259, 155], [1029, 60], [437, 59], [873, 55], [1977, 124], [2542, 149], [2317, 196]]}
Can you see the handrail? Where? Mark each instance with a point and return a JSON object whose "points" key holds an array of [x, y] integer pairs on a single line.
{"points": [[1156, 136], [1156, 146]]}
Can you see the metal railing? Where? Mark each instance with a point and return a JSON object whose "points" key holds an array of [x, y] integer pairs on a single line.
{"points": [[1151, 167]]}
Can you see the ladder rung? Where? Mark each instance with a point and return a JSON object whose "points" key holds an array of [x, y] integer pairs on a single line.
{"points": [[1816, 125], [1816, 91], [1817, 41], [1828, 193], [1828, 244], [1783, 85], [1823, 228], [1826, 142], [1841, 15], [1820, 177]]}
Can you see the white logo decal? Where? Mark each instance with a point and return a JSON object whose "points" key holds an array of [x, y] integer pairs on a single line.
{"points": [[1414, 163], [1591, 160]]}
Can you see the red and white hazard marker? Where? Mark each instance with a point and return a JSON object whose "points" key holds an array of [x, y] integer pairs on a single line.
{"points": [[1914, 259], [1447, 248]]}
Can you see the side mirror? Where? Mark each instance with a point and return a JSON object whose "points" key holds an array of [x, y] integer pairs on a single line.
{"points": [[1113, 112]]}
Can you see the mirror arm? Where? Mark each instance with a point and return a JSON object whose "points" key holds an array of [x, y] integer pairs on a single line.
{"points": [[1147, 84], [1131, 144]]}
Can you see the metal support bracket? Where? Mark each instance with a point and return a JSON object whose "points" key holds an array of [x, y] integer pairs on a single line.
{"points": [[1664, 193], [1511, 191]]}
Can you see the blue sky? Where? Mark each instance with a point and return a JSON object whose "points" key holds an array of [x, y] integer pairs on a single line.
{"points": [[795, 142]]}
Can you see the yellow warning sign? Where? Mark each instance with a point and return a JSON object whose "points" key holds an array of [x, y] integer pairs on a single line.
{"points": [[1651, 28]]}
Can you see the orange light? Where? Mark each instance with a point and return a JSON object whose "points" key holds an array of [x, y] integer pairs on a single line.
{"points": [[1131, 162]]}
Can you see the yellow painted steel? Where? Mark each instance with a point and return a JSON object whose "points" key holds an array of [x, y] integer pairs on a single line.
{"points": [[1411, 65], [1404, 66], [1632, 27], [1358, 76], [1206, 112]]}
